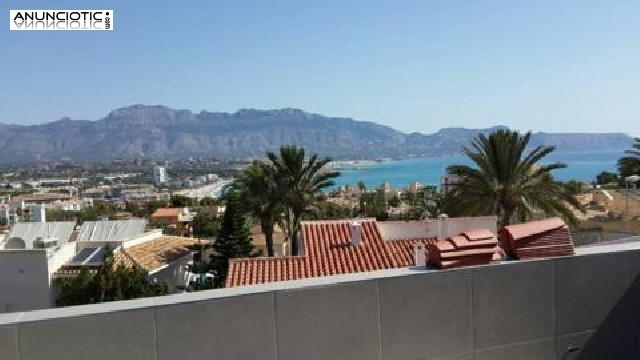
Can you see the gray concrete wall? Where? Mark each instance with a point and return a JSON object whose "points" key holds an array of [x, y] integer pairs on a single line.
{"points": [[517, 310], [24, 280]]}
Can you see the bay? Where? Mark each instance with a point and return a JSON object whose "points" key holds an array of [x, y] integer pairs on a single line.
{"points": [[582, 166]]}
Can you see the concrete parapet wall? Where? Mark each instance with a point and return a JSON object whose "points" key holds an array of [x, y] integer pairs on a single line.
{"points": [[516, 310]]}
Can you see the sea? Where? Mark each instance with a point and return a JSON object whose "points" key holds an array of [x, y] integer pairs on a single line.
{"points": [[581, 165]]}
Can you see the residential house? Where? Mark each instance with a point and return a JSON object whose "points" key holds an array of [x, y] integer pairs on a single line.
{"points": [[351, 246], [176, 220]]}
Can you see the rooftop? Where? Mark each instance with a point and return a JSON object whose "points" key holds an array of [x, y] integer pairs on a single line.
{"points": [[155, 254], [112, 230], [40, 197], [585, 302], [167, 212], [23, 235], [329, 248], [328, 251]]}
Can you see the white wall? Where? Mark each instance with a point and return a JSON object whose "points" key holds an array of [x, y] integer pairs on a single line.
{"points": [[61, 256], [174, 274], [395, 230], [147, 236], [458, 225], [24, 280]]}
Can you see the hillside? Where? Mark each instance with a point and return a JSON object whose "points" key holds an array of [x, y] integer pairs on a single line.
{"points": [[162, 132]]}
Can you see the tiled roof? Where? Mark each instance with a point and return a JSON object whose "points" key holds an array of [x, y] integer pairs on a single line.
{"points": [[327, 251], [475, 247], [167, 212], [537, 239], [154, 254], [123, 258]]}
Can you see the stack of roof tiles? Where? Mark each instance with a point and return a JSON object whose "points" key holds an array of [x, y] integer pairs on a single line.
{"points": [[537, 239], [475, 247], [327, 251]]}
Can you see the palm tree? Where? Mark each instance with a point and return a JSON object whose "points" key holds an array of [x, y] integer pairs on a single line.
{"points": [[509, 183], [362, 187], [258, 189], [300, 181], [630, 165]]}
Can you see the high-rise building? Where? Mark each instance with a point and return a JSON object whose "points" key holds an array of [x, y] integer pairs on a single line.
{"points": [[159, 175]]}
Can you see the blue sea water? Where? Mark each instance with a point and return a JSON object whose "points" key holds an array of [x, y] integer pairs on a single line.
{"points": [[582, 166]]}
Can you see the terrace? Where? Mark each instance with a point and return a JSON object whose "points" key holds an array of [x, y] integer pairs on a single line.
{"points": [[581, 306]]}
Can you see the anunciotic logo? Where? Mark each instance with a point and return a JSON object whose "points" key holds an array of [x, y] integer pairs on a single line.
{"points": [[61, 20]]}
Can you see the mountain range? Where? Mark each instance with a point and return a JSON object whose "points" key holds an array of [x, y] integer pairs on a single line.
{"points": [[161, 132]]}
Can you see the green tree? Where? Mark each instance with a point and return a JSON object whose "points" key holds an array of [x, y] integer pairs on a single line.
{"points": [[508, 182], [208, 201], [606, 177], [574, 187], [180, 201], [630, 165], [205, 224], [395, 201], [109, 283], [325, 210], [300, 181], [233, 239], [258, 189], [374, 205], [154, 205]]}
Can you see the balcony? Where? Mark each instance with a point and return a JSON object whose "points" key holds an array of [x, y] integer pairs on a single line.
{"points": [[539, 309]]}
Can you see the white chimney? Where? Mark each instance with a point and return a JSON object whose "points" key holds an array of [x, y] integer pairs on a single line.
{"points": [[419, 255], [443, 226], [356, 233]]}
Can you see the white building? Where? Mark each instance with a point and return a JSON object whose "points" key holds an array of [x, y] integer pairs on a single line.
{"points": [[415, 186], [159, 175], [29, 256], [34, 254]]}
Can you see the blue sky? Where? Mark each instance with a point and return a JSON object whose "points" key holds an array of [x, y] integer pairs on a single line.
{"points": [[413, 65]]}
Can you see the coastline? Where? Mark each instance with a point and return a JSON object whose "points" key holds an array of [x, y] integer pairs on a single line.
{"points": [[582, 166], [209, 190]]}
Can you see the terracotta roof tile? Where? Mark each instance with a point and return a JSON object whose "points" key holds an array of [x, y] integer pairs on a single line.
{"points": [[156, 253], [328, 251], [473, 247], [122, 258], [167, 212], [537, 239]]}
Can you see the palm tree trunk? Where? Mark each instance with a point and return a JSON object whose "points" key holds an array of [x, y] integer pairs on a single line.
{"points": [[292, 223], [294, 234], [267, 230]]}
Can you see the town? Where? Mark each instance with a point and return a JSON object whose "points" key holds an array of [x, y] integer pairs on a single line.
{"points": [[353, 180], [176, 227]]}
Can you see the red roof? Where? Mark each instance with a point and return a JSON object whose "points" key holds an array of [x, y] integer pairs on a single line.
{"points": [[167, 212], [327, 251]]}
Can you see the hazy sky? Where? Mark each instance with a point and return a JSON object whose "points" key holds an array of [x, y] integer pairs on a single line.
{"points": [[414, 65]]}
